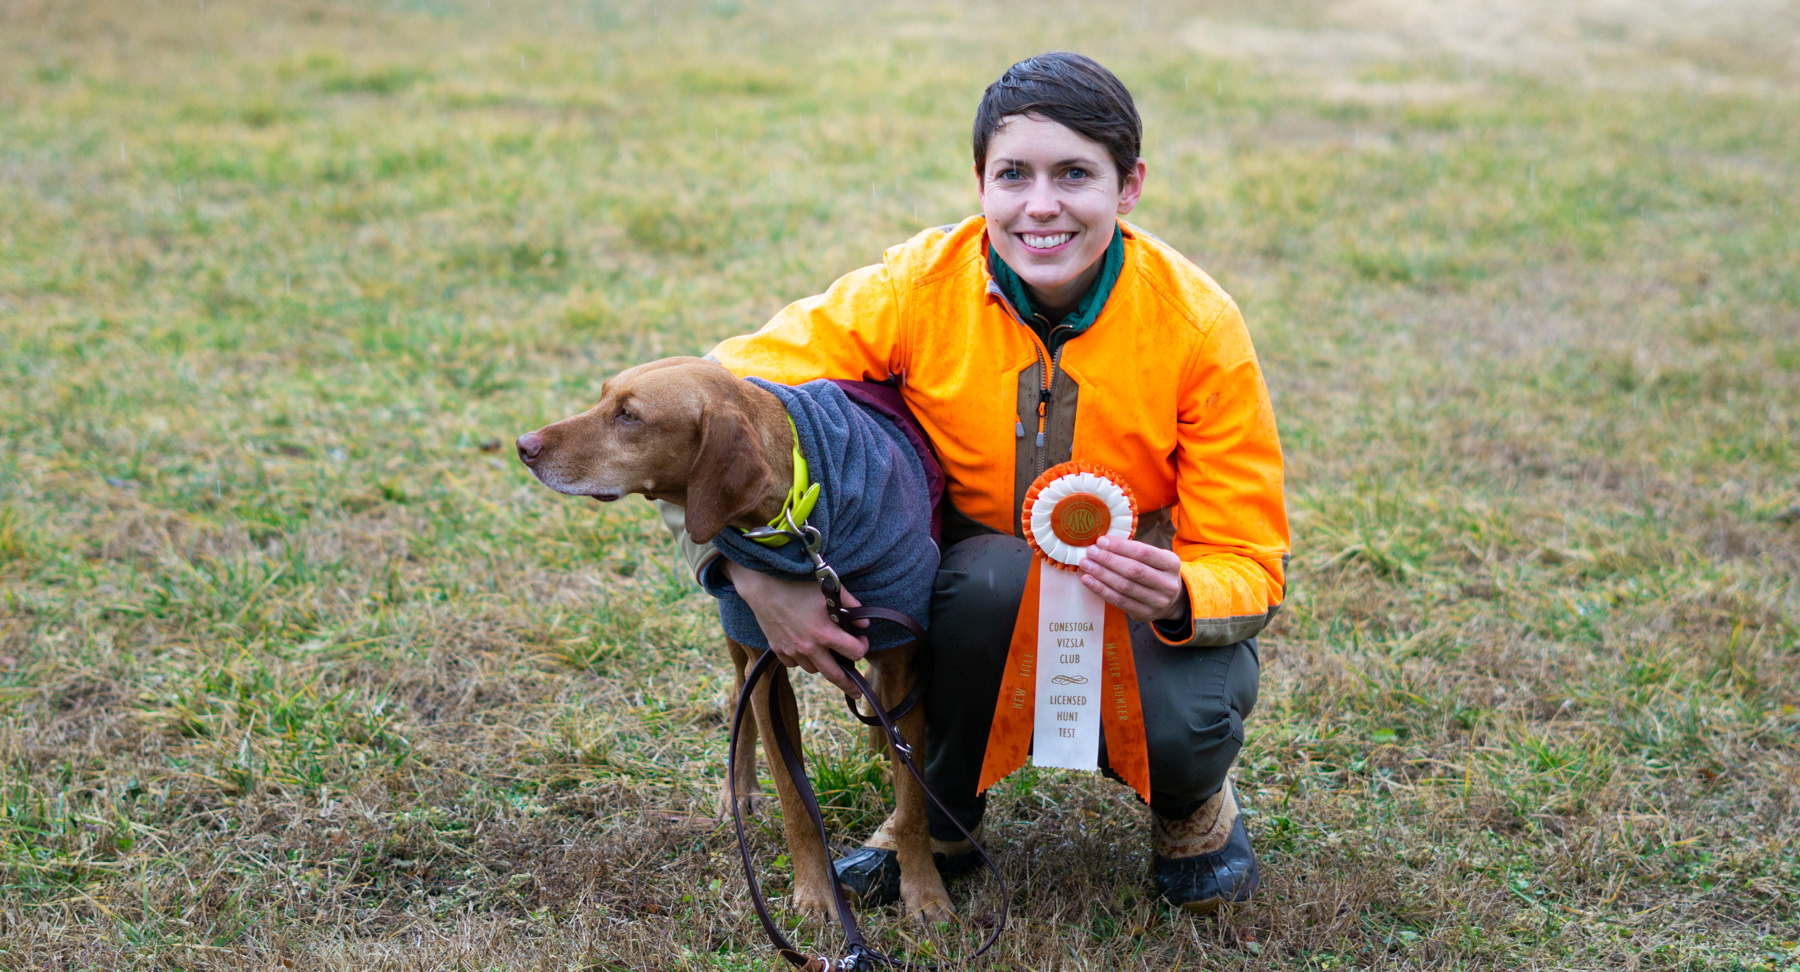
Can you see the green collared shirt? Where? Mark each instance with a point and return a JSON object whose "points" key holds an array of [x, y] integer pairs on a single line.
{"points": [[1054, 332]]}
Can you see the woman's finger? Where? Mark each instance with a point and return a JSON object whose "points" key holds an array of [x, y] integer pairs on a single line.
{"points": [[849, 600], [1159, 571], [834, 673], [844, 643], [1154, 588], [1136, 608], [1155, 558], [1141, 601]]}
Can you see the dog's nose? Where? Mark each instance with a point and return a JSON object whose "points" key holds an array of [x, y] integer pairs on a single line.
{"points": [[531, 445]]}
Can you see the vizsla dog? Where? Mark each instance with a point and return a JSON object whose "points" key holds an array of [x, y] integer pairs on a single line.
{"points": [[687, 431]]}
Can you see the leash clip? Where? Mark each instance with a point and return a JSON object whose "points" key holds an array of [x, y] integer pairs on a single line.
{"points": [[855, 960], [812, 541], [827, 576]]}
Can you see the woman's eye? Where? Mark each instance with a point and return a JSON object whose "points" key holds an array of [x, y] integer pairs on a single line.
{"points": [[1077, 173], [1012, 175]]}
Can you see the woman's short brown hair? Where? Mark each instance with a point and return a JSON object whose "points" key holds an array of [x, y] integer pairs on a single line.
{"points": [[1068, 88]]}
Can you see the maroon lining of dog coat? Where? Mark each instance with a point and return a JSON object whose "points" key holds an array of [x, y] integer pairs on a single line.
{"points": [[885, 399]]}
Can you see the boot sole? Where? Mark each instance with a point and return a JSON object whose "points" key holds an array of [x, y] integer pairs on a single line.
{"points": [[1211, 906], [1205, 906], [857, 901]]}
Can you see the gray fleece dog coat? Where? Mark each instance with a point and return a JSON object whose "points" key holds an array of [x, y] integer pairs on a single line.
{"points": [[874, 513]]}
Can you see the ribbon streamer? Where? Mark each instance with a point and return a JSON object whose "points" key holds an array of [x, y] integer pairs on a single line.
{"points": [[1066, 510]]}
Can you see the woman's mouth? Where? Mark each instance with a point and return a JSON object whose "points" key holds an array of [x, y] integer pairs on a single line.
{"points": [[1045, 242]]}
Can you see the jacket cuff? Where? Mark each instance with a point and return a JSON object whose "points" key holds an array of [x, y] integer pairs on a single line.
{"points": [[1176, 630], [1214, 632], [1198, 631], [700, 557], [704, 574], [712, 577], [1173, 632]]}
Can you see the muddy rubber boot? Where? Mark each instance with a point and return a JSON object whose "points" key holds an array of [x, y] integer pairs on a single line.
{"points": [[871, 873], [1204, 861], [870, 876], [955, 858]]}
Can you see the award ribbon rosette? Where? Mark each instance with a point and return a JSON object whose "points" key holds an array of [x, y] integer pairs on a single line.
{"points": [[1069, 674]]}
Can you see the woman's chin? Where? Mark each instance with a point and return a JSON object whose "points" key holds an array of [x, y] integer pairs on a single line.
{"points": [[1049, 275], [1050, 269]]}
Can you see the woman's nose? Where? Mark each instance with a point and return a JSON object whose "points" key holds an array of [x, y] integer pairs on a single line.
{"points": [[1041, 201]]}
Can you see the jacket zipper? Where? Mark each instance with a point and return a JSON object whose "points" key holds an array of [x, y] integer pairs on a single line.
{"points": [[1048, 363]]}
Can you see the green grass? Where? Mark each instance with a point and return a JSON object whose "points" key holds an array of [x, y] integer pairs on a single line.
{"points": [[299, 668]]}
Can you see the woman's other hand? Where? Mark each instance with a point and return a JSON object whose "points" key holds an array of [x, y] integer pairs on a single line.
{"points": [[1141, 580], [792, 616]]}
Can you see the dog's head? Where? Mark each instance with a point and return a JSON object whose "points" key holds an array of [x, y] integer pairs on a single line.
{"points": [[678, 429]]}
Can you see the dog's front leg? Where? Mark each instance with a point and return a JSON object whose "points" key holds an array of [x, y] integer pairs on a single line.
{"points": [[921, 887], [812, 867], [743, 788]]}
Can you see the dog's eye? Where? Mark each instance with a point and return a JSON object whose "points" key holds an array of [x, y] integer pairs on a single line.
{"points": [[627, 416]]}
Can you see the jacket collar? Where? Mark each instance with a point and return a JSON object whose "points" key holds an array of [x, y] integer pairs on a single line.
{"points": [[1005, 283]]}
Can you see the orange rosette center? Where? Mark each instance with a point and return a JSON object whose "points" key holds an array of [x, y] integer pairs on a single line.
{"points": [[1080, 518], [1082, 501]]}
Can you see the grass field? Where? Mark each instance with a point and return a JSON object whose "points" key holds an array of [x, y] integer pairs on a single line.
{"points": [[300, 670]]}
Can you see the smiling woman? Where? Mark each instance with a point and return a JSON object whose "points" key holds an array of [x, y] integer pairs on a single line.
{"points": [[1051, 200], [1056, 156], [996, 330]]}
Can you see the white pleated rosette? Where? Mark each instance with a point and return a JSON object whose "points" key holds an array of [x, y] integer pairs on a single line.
{"points": [[1080, 486]]}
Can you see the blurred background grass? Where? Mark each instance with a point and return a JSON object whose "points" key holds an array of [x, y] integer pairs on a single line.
{"points": [[299, 669]]}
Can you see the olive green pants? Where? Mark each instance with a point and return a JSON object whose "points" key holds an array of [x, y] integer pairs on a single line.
{"points": [[1195, 699]]}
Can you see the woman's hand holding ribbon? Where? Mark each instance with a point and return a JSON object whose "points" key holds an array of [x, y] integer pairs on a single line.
{"points": [[1141, 580]]}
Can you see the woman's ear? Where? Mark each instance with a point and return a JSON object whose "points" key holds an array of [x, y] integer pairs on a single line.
{"points": [[1132, 188], [729, 476]]}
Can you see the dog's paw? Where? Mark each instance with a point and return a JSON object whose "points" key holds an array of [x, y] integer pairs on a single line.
{"points": [[813, 902], [749, 803], [928, 905]]}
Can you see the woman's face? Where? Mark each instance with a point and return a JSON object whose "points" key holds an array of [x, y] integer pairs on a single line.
{"points": [[1050, 197]]}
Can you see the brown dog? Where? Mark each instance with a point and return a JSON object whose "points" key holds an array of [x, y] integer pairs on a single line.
{"points": [[687, 431]]}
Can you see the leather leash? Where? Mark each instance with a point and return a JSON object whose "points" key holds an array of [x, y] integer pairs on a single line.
{"points": [[858, 955]]}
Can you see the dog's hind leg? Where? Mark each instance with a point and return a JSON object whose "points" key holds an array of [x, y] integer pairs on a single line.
{"points": [[906, 831], [743, 789], [812, 865]]}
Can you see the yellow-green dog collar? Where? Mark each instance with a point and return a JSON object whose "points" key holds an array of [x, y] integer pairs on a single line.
{"points": [[802, 496]]}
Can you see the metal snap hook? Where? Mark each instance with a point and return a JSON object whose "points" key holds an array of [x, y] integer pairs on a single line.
{"points": [[766, 532]]}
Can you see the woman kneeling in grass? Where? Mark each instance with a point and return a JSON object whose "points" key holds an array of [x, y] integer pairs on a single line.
{"points": [[1043, 330]]}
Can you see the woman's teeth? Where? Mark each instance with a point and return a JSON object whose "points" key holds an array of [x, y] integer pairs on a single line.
{"points": [[1046, 242]]}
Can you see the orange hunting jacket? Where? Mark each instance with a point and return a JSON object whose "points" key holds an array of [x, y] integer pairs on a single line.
{"points": [[1163, 387]]}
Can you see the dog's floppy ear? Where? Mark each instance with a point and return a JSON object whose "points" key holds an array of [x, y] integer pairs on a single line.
{"points": [[729, 475]]}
